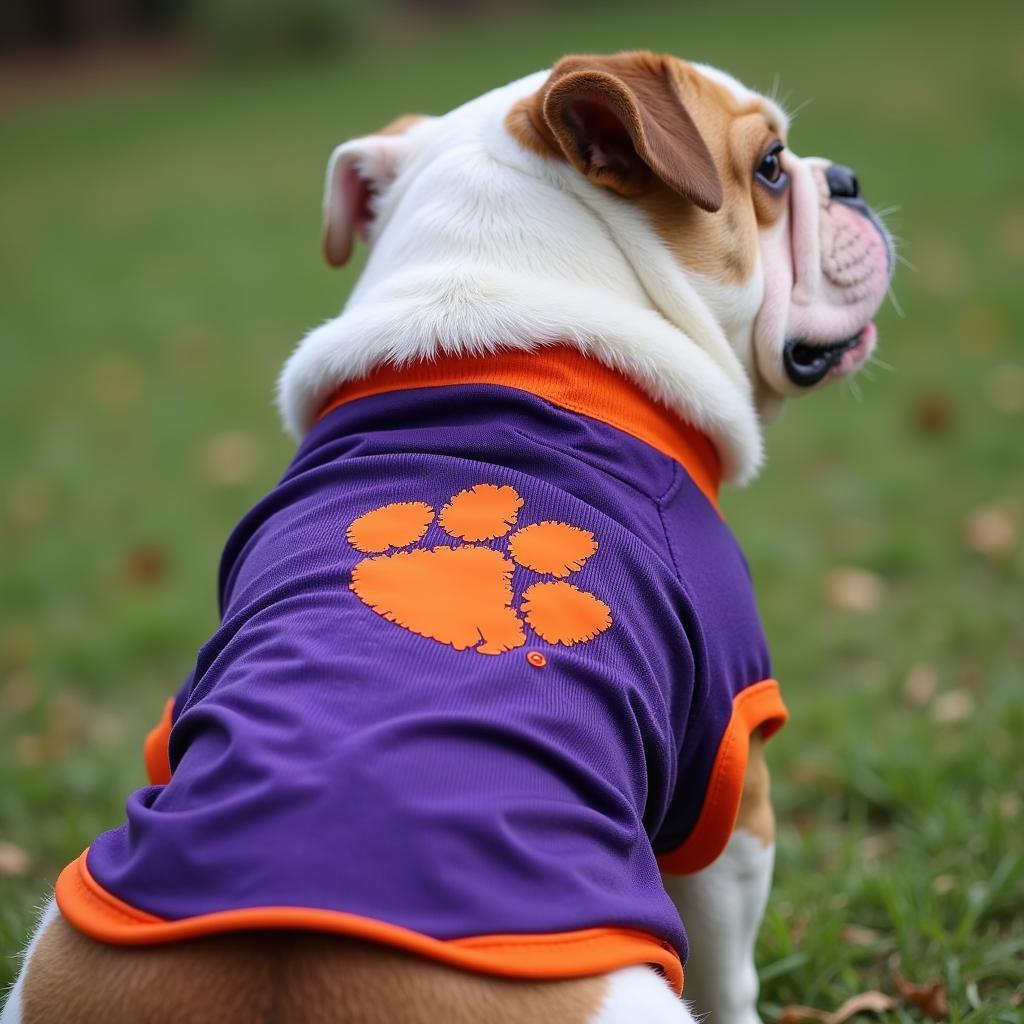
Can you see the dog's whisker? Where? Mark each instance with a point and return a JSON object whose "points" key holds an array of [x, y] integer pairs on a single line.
{"points": [[900, 258], [799, 108], [895, 302], [882, 364]]}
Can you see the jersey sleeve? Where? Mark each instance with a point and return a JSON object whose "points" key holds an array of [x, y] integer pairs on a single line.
{"points": [[733, 689], [156, 748]]}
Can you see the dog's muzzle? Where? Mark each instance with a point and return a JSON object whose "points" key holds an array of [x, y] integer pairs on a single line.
{"points": [[844, 187]]}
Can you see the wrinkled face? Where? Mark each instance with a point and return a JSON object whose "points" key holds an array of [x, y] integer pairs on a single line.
{"points": [[839, 259], [798, 224], [783, 250]]}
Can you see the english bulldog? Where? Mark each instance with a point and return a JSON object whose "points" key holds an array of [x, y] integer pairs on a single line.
{"points": [[483, 723]]}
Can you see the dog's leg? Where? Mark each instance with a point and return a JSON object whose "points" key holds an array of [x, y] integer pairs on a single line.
{"points": [[722, 906], [12, 1008]]}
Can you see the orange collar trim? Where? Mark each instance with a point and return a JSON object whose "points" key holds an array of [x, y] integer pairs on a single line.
{"points": [[567, 378]]}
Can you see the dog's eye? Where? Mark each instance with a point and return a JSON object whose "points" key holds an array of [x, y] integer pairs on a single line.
{"points": [[769, 170]]}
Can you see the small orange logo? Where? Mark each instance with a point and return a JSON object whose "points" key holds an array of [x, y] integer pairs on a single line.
{"points": [[461, 595]]}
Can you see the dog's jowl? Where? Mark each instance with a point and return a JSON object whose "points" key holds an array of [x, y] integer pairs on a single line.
{"points": [[481, 732]]}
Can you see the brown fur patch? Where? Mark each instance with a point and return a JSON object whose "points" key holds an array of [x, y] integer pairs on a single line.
{"points": [[279, 978], [401, 124], [619, 120], [660, 136], [722, 243], [756, 815]]}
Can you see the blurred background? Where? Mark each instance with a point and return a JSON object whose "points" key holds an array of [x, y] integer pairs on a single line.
{"points": [[159, 258]]}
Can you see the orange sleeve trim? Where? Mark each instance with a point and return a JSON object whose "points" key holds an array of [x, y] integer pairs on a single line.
{"points": [[154, 750], [89, 908], [758, 706], [567, 378]]}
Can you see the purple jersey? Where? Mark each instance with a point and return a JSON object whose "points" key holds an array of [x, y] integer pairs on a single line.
{"points": [[489, 656]]}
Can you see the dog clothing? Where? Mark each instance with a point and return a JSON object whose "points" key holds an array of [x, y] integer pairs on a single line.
{"points": [[489, 658]]}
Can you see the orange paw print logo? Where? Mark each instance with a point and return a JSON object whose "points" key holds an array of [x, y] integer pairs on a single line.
{"points": [[461, 595]]}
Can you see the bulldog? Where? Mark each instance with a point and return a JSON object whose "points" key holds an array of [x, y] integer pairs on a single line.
{"points": [[483, 724]]}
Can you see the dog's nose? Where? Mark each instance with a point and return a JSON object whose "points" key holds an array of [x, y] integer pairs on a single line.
{"points": [[842, 182]]}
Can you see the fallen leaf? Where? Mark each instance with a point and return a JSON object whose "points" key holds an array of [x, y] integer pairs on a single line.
{"points": [[19, 693], [932, 415], [920, 685], [857, 935], [799, 1014], [30, 503], [230, 458], [144, 565], [798, 928], [992, 531], [874, 848], [854, 590], [19, 644], [1006, 389], [865, 1002], [1010, 232], [116, 383], [14, 861], [972, 678], [982, 329], [1009, 805], [65, 724], [930, 998], [29, 750], [952, 707]]}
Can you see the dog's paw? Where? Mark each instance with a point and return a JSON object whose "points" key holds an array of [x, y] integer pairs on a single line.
{"points": [[461, 594]]}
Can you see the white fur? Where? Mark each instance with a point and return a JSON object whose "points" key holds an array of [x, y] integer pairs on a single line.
{"points": [[722, 907], [638, 995], [12, 1011], [480, 245]]}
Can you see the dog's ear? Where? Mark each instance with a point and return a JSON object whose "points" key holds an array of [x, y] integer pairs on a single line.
{"points": [[620, 119], [357, 172]]}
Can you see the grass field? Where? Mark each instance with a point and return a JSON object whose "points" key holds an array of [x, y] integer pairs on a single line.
{"points": [[159, 255]]}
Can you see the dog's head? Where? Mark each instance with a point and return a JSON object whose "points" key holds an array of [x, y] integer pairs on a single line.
{"points": [[708, 162], [693, 188]]}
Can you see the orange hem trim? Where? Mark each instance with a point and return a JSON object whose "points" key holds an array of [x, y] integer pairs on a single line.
{"points": [[102, 916], [154, 751], [566, 378], [756, 707]]}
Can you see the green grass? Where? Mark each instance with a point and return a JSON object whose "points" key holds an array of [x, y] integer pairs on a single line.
{"points": [[159, 255]]}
